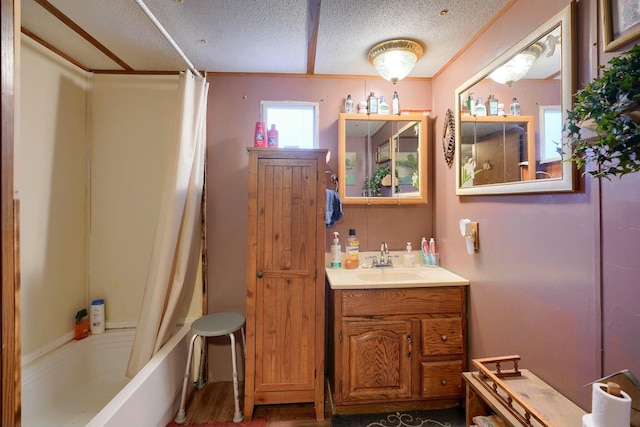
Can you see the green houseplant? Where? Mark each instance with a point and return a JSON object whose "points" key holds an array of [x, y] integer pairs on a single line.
{"points": [[609, 108]]}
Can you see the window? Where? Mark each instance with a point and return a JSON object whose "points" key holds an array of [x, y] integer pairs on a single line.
{"points": [[296, 122], [550, 133]]}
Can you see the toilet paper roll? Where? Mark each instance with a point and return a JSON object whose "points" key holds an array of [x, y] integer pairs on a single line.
{"points": [[608, 410]]}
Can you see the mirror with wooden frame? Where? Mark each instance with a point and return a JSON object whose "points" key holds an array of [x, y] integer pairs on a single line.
{"points": [[374, 148], [500, 150]]}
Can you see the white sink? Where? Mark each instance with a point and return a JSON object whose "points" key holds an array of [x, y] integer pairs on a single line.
{"points": [[396, 277]]}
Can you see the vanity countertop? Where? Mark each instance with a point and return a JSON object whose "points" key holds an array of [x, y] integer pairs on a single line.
{"points": [[396, 277]]}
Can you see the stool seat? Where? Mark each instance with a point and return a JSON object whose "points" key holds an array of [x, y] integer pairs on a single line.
{"points": [[214, 325], [218, 324]]}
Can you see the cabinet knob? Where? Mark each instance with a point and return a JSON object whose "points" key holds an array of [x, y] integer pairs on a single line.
{"points": [[443, 338], [259, 274], [443, 381]]}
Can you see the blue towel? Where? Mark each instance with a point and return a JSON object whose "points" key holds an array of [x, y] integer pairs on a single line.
{"points": [[333, 208]]}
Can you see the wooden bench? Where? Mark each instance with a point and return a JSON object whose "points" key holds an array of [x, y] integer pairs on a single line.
{"points": [[518, 396]]}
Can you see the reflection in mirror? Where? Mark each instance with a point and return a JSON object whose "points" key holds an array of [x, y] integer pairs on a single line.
{"points": [[510, 115], [373, 149]]}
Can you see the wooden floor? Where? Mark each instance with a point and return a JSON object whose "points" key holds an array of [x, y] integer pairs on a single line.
{"points": [[214, 402]]}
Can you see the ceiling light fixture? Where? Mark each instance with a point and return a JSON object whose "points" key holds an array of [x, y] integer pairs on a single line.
{"points": [[518, 66], [394, 59]]}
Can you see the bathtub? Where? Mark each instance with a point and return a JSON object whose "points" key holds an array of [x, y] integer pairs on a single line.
{"points": [[84, 383]]}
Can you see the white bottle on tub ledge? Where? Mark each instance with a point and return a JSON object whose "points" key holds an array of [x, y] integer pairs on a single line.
{"points": [[97, 316]]}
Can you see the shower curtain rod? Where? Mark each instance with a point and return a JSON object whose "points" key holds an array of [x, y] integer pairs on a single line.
{"points": [[166, 35]]}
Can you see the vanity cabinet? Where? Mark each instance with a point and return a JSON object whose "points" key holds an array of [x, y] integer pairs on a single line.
{"points": [[398, 347], [285, 278]]}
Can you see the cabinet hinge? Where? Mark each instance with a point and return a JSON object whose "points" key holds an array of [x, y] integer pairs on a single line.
{"points": [[340, 336], [341, 389]]}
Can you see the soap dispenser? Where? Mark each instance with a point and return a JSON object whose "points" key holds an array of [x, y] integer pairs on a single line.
{"points": [[336, 251], [409, 258]]}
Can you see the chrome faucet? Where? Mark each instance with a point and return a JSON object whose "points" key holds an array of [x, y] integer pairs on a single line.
{"points": [[385, 258], [384, 253]]}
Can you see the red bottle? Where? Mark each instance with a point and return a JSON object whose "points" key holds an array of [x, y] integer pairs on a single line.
{"points": [[272, 137], [260, 139]]}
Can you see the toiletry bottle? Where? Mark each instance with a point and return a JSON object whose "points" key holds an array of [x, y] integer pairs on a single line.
{"points": [[395, 104], [272, 137], [433, 260], [514, 109], [481, 110], [424, 251], [471, 105], [492, 106], [409, 257], [383, 108], [372, 103], [97, 316], [82, 324], [352, 250], [349, 107], [501, 109], [260, 136], [336, 251]]}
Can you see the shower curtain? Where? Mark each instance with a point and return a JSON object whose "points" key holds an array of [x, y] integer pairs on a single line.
{"points": [[173, 265]]}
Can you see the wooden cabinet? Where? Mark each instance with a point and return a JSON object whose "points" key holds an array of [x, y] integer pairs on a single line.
{"points": [[398, 348], [285, 278]]}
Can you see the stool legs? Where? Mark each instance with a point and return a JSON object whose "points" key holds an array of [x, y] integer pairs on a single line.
{"points": [[182, 417], [237, 416]]}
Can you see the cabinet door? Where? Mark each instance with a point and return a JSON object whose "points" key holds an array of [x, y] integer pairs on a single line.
{"points": [[376, 360], [286, 233]]}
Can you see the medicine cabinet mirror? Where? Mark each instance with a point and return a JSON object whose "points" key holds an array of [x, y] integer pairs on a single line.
{"points": [[506, 153], [374, 148]]}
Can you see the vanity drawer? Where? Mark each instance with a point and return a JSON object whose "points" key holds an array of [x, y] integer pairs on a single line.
{"points": [[442, 379], [441, 336], [367, 302]]}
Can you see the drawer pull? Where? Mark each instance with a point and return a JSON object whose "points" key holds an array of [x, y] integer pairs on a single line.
{"points": [[443, 381], [443, 338]]}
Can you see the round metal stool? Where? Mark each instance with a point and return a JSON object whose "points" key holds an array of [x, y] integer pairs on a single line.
{"points": [[214, 325]]}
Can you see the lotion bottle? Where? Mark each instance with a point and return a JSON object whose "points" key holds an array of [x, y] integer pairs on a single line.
{"points": [[514, 108], [349, 106], [373, 103], [383, 108], [409, 258], [352, 250], [395, 104], [336, 251], [480, 110]]}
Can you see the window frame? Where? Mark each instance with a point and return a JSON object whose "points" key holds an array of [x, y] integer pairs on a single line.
{"points": [[315, 106]]}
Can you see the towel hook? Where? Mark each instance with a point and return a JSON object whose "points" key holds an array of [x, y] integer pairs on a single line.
{"points": [[334, 179]]}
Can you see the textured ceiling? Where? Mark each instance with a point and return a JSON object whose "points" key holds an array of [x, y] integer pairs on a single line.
{"points": [[253, 36]]}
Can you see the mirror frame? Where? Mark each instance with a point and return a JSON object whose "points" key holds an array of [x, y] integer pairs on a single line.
{"points": [[565, 19], [422, 159]]}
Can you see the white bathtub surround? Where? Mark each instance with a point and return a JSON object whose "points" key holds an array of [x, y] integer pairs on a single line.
{"points": [[84, 383]]}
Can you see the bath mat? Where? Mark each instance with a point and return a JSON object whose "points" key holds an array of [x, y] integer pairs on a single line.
{"points": [[257, 422], [452, 417]]}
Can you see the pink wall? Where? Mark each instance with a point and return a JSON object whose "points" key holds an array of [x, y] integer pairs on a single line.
{"points": [[535, 281], [234, 107], [556, 276]]}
